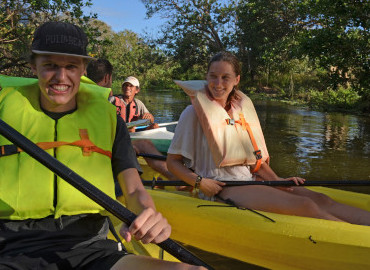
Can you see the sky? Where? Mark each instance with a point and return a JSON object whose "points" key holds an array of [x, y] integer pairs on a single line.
{"points": [[125, 15]]}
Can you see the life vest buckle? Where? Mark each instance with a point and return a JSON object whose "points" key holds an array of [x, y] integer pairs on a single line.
{"points": [[258, 154], [230, 121]]}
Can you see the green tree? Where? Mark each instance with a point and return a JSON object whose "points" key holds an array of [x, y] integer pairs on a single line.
{"points": [[338, 40], [18, 20], [103, 35], [266, 35], [194, 29], [130, 55]]}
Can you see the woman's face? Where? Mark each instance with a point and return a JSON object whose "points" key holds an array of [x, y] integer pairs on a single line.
{"points": [[221, 80]]}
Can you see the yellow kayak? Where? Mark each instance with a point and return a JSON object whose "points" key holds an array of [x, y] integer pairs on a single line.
{"points": [[138, 248], [290, 242]]}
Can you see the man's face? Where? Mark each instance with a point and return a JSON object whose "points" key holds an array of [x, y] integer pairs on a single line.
{"points": [[59, 80], [129, 91]]}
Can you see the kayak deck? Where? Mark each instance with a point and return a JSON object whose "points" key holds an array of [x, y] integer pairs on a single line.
{"points": [[288, 243], [291, 242]]}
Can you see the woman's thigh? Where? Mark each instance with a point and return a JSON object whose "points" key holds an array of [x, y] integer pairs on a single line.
{"points": [[319, 198], [269, 199]]}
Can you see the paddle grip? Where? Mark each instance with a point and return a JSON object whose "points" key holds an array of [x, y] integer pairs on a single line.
{"points": [[111, 205]]}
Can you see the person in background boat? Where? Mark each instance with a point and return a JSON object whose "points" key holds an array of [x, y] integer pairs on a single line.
{"points": [[217, 106], [44, 222], [131, 108], [100, 71]]}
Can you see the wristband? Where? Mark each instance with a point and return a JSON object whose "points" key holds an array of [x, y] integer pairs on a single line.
{"points": [[197, 181]]}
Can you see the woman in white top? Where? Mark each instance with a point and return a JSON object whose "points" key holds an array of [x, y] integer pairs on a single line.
{"points": [[190, 159]]}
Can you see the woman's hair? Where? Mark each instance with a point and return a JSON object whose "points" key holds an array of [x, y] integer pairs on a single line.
{"points": [[234, 62]]}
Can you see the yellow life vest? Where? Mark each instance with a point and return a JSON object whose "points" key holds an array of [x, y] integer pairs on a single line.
{"points": [[27, 188], [233, 141]]}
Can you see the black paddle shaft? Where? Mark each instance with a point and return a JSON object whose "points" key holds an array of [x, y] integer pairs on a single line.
{"points": [[111, 205], [283, 183], [152, 156]]}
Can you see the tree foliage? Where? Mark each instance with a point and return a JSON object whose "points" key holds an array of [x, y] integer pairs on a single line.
{"points": [[287, 45], [19, 19], [266, 34], [131, 56], [338, 40], [194, 29], [270, 36]]}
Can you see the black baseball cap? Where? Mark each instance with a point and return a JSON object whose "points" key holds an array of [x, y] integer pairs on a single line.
{"points": [[60, 38]]}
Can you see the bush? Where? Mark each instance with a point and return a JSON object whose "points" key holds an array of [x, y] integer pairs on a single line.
{"points": [[341, 99]]}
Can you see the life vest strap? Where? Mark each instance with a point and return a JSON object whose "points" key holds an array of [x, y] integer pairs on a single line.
{"points": [[6, 150], [245, 126], [87, 146]]}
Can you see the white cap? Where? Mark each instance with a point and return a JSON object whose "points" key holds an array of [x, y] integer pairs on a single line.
{"points": [[132, 80]]}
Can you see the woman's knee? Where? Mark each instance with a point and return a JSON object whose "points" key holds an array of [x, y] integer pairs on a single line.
{"points": [[307, 207], [323, 200]]}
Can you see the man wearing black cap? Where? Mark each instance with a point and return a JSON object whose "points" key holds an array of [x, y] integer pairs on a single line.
{"points": [[44, 222]]}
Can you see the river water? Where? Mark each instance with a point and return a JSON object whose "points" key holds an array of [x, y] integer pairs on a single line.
{"points": [[301, 142]]}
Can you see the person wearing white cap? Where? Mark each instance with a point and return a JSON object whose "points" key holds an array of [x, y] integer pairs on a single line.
{"points": [[133, 109], [45, 223]]}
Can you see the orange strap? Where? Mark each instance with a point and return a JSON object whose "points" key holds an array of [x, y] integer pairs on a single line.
{"points": [[245, 126], [85, 143]]}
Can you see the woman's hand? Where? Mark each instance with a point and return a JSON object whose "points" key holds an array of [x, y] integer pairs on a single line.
{"points": [[149, 227], [297, 180], [210, 187]]}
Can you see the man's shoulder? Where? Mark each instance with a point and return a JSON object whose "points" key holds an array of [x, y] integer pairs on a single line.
{"points": [[138, 101]]}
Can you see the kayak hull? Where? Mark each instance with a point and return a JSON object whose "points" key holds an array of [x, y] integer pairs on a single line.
{"points": [[288, 243]]}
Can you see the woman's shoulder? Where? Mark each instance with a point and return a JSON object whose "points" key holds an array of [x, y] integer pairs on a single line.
{"points": [[188, 112]]}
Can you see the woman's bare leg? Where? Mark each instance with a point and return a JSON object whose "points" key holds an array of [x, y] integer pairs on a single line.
{"points": [[342, 211], [147, 147], [273, 200], [136, 262]]}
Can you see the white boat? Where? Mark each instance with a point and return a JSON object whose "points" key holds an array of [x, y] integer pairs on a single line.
{"points": [[161, 137]]}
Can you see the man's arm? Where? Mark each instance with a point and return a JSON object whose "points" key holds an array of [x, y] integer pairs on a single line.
{"points": [[150, 226], [144, 112], [135, 195]]}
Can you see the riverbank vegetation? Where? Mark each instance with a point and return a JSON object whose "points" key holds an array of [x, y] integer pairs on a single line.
{"points": [[311, 51]]}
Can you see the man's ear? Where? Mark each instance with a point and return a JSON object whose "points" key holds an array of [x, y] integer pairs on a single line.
{"points": [[33, 69], [84, 72], [137, 89], [106, 79]]}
